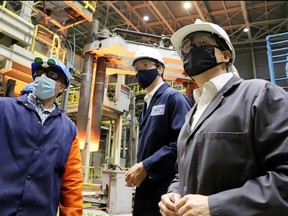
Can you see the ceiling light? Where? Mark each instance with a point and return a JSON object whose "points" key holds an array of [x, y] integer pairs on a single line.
{"points": [[246, 30], [146, 18], [187, 5]]}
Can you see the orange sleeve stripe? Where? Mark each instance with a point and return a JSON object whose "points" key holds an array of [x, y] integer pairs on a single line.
{"points": [[71, 199]]}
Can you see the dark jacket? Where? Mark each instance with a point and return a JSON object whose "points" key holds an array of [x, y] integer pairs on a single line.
{"points": [[237, 153], [33, 160], [159, 127]]}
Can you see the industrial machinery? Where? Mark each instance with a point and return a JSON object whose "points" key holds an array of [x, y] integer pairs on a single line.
{"points": [[119, 197], [108, 192]]}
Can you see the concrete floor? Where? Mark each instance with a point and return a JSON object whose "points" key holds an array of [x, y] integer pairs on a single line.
{"points": [[93, 211]]}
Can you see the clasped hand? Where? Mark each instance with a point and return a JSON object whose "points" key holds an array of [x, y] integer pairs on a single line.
{"points": [[172, 204]]}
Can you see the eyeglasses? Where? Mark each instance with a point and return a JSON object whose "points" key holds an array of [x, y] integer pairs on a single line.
{"points": [[143, 64], [197, 40], [49, 73]]}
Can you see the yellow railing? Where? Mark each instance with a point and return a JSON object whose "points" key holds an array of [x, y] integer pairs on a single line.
{"points": [[177, 86], [94, 172], [54, 46], [90, 4], [74, 94], [3, 7], [138, 90]]}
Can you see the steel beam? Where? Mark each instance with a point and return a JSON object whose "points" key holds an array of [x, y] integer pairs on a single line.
{"points": [[16, 27]]}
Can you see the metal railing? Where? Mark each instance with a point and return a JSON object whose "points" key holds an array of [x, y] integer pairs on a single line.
{"points": [[3, 7], [54, 46], [277, 52]]}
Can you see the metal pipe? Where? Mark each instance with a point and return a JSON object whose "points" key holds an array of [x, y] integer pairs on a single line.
{"points": [[85, 94], [98, 98], [86, 83], [140, 33], [132, 137], [65, 98]]}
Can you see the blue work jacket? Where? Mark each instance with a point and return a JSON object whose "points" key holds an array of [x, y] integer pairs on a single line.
{"points": [[32, 158], [159, 127]]}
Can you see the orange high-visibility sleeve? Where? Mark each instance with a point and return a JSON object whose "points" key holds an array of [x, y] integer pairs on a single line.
{"points": [[71, 199]]}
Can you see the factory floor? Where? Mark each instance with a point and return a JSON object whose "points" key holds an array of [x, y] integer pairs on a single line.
{"points": [[109, 190], [96, 212]]}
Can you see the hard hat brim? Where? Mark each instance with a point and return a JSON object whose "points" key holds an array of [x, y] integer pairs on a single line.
{"points": [[131, 61], [180, 34]]}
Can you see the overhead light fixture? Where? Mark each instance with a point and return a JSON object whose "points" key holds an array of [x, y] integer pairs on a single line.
{"points": [[187, 5], [246, 30], [146, 18]]}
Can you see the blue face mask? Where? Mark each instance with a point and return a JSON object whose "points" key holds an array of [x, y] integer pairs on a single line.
{"points": [[44, 87], [146, 77]]}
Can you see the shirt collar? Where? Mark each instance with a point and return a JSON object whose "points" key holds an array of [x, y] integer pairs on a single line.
{"points": [[211, 87], [149, 96], [37, 103]]}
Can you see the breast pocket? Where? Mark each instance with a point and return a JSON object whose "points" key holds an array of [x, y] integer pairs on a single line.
{"points": [[221, 160]]}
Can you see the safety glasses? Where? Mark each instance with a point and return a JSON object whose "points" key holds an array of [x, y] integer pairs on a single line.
{"points": [[197, 40], [49, 73], [143, 64]]}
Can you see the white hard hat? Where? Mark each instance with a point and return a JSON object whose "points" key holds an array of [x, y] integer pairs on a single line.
{"points": [[179, 35], [146, 52]]}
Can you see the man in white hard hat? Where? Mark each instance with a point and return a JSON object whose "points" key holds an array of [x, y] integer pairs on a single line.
{"points": [[162, 117], [233, 147]]}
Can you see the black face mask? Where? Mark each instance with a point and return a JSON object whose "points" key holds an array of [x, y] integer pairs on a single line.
{"points": [[199, 60], [146, 77]]}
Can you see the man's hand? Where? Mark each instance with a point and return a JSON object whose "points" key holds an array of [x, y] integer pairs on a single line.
{"points": [[193, 205], [167, 204], [135, 175]]}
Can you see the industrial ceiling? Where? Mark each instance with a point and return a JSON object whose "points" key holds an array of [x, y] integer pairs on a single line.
{"points": [[262, 17], [124, 18]]}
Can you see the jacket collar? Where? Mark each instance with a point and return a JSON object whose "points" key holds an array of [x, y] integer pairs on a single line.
{"points": [[145, 113], [231, 84], [24, 100]]}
